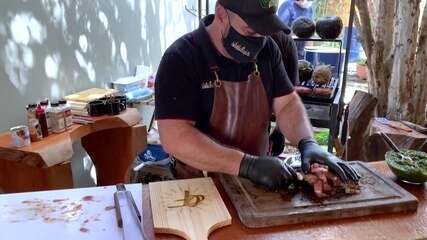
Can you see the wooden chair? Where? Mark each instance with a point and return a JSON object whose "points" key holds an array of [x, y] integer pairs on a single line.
{"points": [[357, 116]]}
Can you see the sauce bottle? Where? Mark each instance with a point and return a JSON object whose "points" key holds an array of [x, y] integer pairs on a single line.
{"points": [[41, 116], [45, 105]]}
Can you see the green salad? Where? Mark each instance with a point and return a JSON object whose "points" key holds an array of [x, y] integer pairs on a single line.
{"points": [[409, 165]]}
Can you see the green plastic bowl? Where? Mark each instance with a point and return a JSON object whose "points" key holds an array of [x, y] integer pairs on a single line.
{"points": [[414, 172]]}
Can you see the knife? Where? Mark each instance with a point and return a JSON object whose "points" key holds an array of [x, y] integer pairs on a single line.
{"points": [[121, 187], [121, 191]]}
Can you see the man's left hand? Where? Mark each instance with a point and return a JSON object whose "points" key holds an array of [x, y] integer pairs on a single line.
{"points": [[311, 152]]}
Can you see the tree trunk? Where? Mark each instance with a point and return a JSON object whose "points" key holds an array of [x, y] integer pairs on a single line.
{"points": [[395, 43], [403, 73], [420, 90]]}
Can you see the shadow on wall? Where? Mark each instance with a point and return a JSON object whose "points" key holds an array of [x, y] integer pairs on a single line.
{"points": [[49, 48]]}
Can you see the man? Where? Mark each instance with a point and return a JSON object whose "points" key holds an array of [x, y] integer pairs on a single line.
{"points": [[290, 10], [288, 50], [216, 89]]}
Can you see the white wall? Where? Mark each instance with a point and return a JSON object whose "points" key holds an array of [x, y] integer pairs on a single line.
{"points": [[50, 48]]}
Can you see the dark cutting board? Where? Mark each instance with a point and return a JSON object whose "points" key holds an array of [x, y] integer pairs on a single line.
{"points": [[258, 208]]}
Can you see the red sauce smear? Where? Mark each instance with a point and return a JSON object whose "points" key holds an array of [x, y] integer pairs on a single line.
{"points": [[82, 229], [60, 200], [109, 208], [86, 221], [87, 198]]}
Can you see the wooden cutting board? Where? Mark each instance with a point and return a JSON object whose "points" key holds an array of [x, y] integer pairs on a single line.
{"points": [[258, 208], [90, 95], [189, 208]]}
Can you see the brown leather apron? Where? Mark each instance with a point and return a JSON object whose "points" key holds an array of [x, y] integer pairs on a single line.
{"points": [[240, 112], [239, 119]]}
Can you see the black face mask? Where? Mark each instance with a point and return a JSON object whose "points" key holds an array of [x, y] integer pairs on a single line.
{"points": [[242, 48]]}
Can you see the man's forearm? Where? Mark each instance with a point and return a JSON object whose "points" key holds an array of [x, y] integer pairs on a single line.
{"points": [[293, 121], [194, 148]]}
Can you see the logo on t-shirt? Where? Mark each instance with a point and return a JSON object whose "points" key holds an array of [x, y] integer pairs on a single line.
{"points": [[208, 85], [241, 49]]}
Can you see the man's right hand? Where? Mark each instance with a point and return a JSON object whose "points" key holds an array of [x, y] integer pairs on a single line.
{"points": [[269, 172]]}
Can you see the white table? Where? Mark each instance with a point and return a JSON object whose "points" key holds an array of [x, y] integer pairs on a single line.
{"points": [[85, 213]]}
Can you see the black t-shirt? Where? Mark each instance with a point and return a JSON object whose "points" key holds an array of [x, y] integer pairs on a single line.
{"points": [[289, 52], [184, 67]]}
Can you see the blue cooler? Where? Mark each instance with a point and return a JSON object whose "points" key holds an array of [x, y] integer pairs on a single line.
{"points": [[153, 153], [325, 55]]}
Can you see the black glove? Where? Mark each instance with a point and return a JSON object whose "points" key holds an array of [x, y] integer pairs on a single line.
{"points": [[277, 142], [269, 172], [311, 152]]}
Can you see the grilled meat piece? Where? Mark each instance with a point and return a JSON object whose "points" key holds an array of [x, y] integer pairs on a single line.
{"points": [[325, 183]]}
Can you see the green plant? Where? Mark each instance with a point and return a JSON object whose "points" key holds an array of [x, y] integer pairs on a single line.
{"points": [[321, 137], [362, 62], [320, 7]]}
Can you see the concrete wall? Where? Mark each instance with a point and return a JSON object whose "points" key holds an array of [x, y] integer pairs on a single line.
{"points": [[50, 48]]}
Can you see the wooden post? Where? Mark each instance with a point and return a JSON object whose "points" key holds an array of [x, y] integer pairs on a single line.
{"points": [[360, 112], [108, 146]]}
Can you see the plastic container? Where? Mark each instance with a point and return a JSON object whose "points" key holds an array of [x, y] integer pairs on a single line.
{"points": [[57, 118], [31, 111], [33, 123], [68, 116], [153, 153], [325, 55], [20, 136], [35, 130]]}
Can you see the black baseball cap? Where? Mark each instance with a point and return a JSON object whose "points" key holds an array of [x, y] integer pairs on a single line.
{"points": [[260, 15]]}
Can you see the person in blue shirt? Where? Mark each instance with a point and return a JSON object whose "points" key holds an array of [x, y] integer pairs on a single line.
{"points": [[290, 10], [293, 9]]}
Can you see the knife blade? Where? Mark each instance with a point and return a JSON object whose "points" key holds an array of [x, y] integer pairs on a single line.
{"points": [[121, 187], [129, 224]]}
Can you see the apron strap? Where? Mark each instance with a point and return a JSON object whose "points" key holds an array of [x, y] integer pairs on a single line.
{"points": [[208, 54]]}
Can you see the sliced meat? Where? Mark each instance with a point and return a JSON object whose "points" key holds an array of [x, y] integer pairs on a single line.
{"points": [[318, 189], [327, 188], [326, 184], [310, 178]]}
